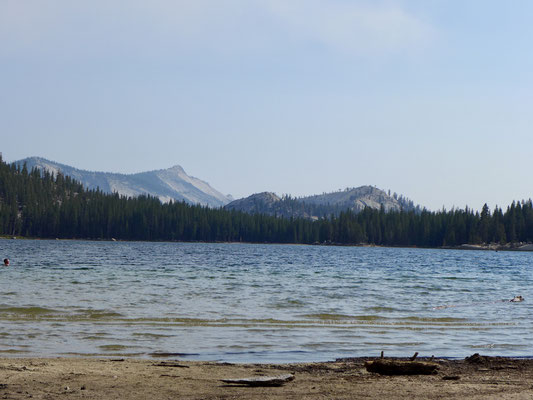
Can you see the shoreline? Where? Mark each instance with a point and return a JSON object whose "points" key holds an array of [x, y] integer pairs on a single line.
{"points": [[521, 247], [475, 377]]}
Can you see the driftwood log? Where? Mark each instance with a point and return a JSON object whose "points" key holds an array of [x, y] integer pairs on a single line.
{"points": [[277, 380], [398, 367]]}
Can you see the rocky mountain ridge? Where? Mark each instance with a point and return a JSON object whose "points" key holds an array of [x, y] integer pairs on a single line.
{"points": [[174, 184], [165, 184], [323, 205]]}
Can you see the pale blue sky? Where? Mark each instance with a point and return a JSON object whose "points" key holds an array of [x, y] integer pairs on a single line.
{"points": [[431, 99]]}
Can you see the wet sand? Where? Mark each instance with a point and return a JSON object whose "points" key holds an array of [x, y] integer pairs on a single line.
{"points": [[93, 378]]}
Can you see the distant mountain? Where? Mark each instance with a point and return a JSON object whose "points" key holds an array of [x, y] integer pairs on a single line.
{"points": [[166, 184], [318, 206], [356, 199]]}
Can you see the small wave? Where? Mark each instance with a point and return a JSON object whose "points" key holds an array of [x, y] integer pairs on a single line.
{"points": [[393, 343], [96, 337], [63, 315], [151, 335], [499, 346], [106, 354], [27, 311], [162, 354], [321, 345], [434, 319], [327, 316], [13, 351], [236, 347], [382, 309], [343, 318], [113, 347], [289, 304], [102, 314], [456, 278]]}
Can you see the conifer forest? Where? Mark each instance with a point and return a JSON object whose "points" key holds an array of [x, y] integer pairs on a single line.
{"points": [[37, 204]]}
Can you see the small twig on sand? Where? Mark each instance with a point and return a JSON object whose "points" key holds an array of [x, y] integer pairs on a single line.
{"points": [[169, 364]]}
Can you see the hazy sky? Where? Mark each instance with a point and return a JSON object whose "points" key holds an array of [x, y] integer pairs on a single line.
{"points": [[432, 99]]}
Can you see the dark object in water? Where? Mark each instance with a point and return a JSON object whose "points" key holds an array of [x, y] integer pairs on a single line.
{"points": [[277, 380], [398, 367], [6, 262], [516, 299]]}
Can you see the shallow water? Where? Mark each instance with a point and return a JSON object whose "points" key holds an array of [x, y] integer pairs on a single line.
{"points": [[260, 303]]}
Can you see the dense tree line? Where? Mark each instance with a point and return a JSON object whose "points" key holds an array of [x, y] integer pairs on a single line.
{"points": [[35, 204]]}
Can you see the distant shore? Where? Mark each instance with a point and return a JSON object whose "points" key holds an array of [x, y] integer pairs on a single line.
{"points": [[93, 378], [466, 246]]}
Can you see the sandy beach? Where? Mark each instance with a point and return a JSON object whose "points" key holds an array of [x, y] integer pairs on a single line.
{"points": [[93, 378]]}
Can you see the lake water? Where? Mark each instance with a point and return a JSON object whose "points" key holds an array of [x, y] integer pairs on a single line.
{"points": [[260, 303]]}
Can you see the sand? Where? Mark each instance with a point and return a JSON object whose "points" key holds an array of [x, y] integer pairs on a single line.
{"points": [[93, 378]]}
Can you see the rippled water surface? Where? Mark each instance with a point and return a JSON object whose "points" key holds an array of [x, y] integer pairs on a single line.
{"points": [[260, 303]]}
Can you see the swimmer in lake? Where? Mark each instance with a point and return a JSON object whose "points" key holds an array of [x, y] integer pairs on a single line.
{"points": [[6, 262]]}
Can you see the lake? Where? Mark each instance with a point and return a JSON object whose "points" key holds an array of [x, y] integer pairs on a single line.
{"points": [[260, 303]]}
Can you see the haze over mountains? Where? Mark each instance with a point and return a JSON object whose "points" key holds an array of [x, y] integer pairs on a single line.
{"points": [[174, 184], [166, 184]]}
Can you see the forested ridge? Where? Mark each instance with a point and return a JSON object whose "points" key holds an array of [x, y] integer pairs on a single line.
{"points": [[42, 205]]}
